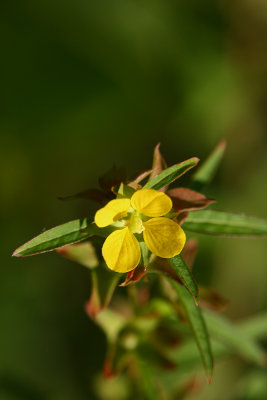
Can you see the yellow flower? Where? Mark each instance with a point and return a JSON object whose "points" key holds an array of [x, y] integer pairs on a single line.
{"points": [[143, 214]]}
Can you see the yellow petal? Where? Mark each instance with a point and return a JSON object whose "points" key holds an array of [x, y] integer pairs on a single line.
{"points": [[114, 210], [121, 251], [164, 237], [151, 203]]}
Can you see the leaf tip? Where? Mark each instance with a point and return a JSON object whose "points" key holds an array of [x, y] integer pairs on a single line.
{"points": [[195, 159], [16, 253]]}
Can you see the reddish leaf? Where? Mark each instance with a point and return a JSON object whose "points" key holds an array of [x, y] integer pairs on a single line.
{"points": [[189, 252], [159, 164], [134, 276], [185, 199], [140, 178]]}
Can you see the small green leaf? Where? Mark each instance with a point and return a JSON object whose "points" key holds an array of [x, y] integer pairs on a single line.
{"points": [[71, 232], [224, 223], [125, 191], [185, 276], [198, 326], [232, 336], [171, 174], [207, 170]]}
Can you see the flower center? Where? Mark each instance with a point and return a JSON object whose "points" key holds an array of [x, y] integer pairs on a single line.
{"points": [[135, 224]]}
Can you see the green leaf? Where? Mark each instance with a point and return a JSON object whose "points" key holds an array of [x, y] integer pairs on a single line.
{"points": [[171, 174], [198, 326], [224, 223], [232, 336], [185, 276], [207, 170], [71, 232], [125, 191]]}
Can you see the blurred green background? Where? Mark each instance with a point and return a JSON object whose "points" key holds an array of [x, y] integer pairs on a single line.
{"points": [[86, 84]]}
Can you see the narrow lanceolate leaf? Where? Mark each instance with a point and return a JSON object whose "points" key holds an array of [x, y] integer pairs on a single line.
{"points": [[184, 199], [171, 174], [198, 326], [185, 276], [159, 164], [68, 233], [207, 170], [224, 223], [234, 337]]}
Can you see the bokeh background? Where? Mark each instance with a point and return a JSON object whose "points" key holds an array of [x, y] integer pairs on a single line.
{"points": [[86, 84]]}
